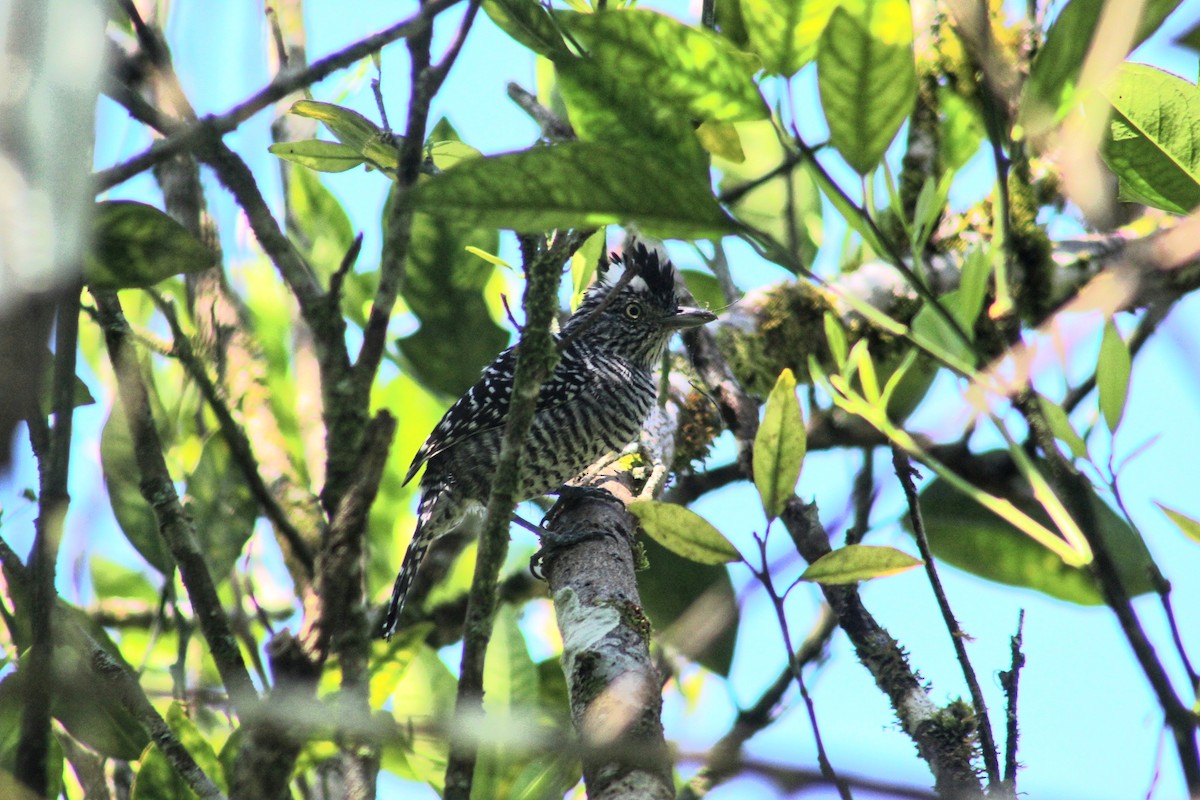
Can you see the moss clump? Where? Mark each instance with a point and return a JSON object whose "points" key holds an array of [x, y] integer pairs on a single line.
{"points": [[699, 425], [790, 328]]}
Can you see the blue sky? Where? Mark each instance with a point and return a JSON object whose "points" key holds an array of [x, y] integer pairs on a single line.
{"points": [[1090, 726]]}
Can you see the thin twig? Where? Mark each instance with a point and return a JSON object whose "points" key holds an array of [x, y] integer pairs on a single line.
{"points": [[905, 472], [234, 435], [284, 84], [763, 575], [1010, 681], [724, 758]]}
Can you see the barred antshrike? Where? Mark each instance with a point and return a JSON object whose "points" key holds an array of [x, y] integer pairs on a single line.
{"points": [[596, 401]]}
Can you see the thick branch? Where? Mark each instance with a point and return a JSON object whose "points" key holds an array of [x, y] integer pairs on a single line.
{"points": [[614, 687]]}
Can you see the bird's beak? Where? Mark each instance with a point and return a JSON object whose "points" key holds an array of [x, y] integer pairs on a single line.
{"points": [[688, 318]]}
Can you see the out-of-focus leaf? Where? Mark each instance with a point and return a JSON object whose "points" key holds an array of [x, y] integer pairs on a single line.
{"points": [[1112, 375], [111, 580], [136, 245], [1061, 427], [1189, 526], [721, 139], [784, 33], [688, 69], [779, 446], [684, 532], [867, 77], [1050, 90], [90, 710], [318, 154], [353, 130], [788, 207], [443, 287], [966, 535], [670, 588], [1154, 138], [423, 697], [858, 562], [121, 479], [962, 129], [510, 692], [835, 337], [13, 700], [577, 184], [705, 288], [222, 506], [81, 395], [584, 263], [530, 24]]}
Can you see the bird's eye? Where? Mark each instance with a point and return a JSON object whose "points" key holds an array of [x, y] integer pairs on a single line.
{"points": [[633, 310]]}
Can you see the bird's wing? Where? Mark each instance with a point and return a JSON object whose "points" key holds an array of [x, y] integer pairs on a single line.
{"points": [[485, 405]]}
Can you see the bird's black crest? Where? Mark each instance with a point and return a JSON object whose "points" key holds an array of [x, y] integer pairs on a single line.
{"points": [[657, 274]]}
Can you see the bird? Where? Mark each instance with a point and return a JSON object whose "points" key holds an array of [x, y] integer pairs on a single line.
{"points": [[595, 402]]}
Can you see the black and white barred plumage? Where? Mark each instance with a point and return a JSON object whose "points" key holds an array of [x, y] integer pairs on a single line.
{"points": [[596, 401]]}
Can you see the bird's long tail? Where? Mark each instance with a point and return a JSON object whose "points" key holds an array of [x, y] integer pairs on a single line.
{"points": [[408, 570]]}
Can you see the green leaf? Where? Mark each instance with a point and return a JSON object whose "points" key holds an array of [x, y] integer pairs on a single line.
{"points": [[606, 107], [318, 154], [867, 77], [1050, 90], [684, 532], [966, 535], [222, 506], [578, 184], [351, 128], [510, 680], [858, 562], [1112, 375], [691, 606], [81, 395], [121, 479], [1154, 138], [113, 581], [584, 263], [705, 287], [136, 245], [1189, 526], [444, 287], [835, 337], [1061, 427], [933, 331], [13, 700], [423, 698], [321, 229], [788, 206], [529, 23], [779, 446], [972, 289], [784, 33], [687, 69], [721, 139]]}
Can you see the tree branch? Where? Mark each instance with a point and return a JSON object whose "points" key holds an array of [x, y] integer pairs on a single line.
{"points": [[214, 127], [174, 524]]}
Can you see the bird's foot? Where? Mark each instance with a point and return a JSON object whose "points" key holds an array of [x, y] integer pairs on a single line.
{"points": [[555, 541]]}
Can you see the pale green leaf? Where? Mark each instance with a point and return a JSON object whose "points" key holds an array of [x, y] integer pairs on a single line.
{"points": [[1189, 526], [779, 446], [867, 77], [1154, 138], [858, 562], [784, 33], [684, 532], [1061, 427], [1112, 375], [318, 154], [835, 337]]}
